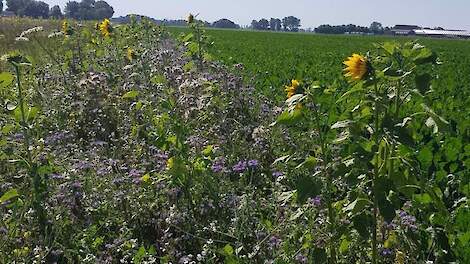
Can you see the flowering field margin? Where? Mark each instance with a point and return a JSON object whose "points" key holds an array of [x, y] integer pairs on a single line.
{"points": [[129, 146]]}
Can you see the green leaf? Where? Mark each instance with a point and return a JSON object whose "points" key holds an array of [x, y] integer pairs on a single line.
{"points": [[307, 187], [344, 245], [138, 257], [130, 95], [208, 150], [145, 178], [159, 79], [319, 256], [228, 250], [357, 88], [424, 56], [189, 66], [362, 223], [187, 37], [424, 198], [425, 156], [390, 47], [342, 124], [309, 162], [290, 117], [6, 79], [423, 82], [357, 205], [13, 193]]}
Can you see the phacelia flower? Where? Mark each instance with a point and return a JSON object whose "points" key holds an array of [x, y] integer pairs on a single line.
{"points": [[301, 258], [357, 67], [315, 202], [253, 163], [106, 28], [218, 165], [240, 167]]}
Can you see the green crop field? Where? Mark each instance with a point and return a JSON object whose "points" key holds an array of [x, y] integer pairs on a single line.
{"points": [[271, 59], [135, 143]]}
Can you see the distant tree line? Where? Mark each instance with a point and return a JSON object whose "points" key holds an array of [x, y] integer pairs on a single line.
{"points": [[374, 28], [84, 10], [221, 23], [289, 23]]}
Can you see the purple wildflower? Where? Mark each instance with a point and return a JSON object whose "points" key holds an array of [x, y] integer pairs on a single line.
{"points": [[240, 167], [218, 165], [386, 252], [135, 173], [277, 174], [315, 202], [407, 220], [253, 164], [274, 242], [301, 258], [77, 185]]}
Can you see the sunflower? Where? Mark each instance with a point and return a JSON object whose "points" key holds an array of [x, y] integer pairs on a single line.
{"points": [[295, 83], [358, 67], [190, 18], [66, 29], [105, 28], [291, 90], [131, 55]]}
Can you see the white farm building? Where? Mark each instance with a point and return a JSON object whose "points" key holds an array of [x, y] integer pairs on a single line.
{"points": [[412, 30]]}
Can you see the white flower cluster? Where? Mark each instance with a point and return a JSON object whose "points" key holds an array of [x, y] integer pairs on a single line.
{"points": [[55, 34], [31, 31]]}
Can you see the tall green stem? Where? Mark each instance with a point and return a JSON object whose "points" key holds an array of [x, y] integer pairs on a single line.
{"points": [[329, 187], [23, 124], [375, 176], [36, 181]]}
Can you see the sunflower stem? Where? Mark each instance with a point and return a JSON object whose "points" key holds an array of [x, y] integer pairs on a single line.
{"points": [[375, 176]]}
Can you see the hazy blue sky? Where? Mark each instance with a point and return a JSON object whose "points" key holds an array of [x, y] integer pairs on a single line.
{"points": [[445, 13]]}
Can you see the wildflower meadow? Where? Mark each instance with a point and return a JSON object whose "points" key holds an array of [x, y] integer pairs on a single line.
{"points": [[136, 143]]}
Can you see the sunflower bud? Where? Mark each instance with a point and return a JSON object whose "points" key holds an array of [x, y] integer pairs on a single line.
{"points": [[190, 18]]}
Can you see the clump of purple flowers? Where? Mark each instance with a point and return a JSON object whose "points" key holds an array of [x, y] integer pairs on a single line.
{"points": [[274, 242], [219, 165], [243, 165], [315, 202], [277, 174], [407, 220], [301, 258], [252, 164], [240, 167], [386, 252]]}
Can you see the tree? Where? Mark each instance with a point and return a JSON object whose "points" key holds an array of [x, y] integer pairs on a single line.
{"points": [[254, 24], [102, 10], [275, 24], [17, 6], [36, 9], [88, 10], [55, 12], [291, 23], [1, 6], [376, 28], [72, 9], [263, 24], [225, 23]]}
